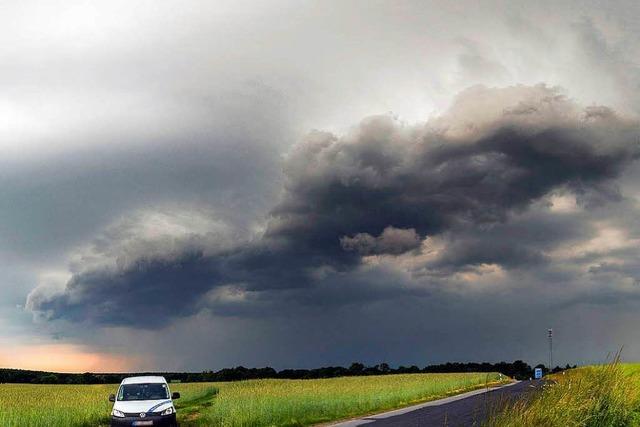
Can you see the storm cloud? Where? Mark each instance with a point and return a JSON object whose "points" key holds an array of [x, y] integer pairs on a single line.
{"points": [[384, 189]]}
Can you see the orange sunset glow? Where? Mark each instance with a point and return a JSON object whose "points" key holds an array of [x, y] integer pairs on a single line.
{"points": [[63, 358]]}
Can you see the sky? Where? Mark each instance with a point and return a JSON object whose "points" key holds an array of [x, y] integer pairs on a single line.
{"points": [[205, 184]]}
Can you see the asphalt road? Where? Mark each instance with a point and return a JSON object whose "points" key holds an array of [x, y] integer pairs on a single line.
{"points": [[468, 409], [471, 411]]}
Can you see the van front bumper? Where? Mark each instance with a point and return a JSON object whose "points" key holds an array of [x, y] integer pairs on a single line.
{"points": [[149, 420]]}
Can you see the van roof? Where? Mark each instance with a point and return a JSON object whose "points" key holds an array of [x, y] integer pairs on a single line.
{"points": [[142, 380]]}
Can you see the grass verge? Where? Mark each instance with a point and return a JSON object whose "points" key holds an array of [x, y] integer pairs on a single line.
{"points": [[594, 396]]}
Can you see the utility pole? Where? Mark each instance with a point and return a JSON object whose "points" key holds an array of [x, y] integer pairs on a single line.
{"points": [[550, 336]]}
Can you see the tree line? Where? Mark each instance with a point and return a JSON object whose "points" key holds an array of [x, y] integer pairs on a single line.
{"points": [[518, 370]]}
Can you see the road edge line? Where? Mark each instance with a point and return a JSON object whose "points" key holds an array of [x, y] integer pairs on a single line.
{"points": [[380, 416]]}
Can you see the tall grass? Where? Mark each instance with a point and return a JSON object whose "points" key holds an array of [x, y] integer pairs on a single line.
{"points": [[595, 396], [306, 402]]}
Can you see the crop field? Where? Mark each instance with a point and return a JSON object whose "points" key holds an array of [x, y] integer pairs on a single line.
{"points": [[67, 405], [593, 396], [242, 403]]}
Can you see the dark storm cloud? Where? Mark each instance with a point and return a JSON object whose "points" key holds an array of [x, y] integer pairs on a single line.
{"points": [[134, 295], [520, 243], [379, 190]]}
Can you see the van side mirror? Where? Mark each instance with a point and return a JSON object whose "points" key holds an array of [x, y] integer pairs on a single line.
{"points": [[175, 395], [112, 398]]}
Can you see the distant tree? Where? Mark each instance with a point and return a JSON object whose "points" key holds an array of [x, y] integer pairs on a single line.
{"points": [[49, 379], [356, 368], [518, 369]]}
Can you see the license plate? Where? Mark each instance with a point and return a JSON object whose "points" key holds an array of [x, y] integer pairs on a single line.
{"points": [[143, 423]]}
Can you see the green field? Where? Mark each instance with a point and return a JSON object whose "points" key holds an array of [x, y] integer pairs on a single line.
{"points": [[66, 405], [593, 396], [242, 403]]}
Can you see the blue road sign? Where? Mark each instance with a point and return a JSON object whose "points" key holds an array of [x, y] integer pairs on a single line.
{"points": [[537, 373]]}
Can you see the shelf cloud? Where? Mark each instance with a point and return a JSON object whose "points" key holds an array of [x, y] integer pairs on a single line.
{"points": [[383, 189]]}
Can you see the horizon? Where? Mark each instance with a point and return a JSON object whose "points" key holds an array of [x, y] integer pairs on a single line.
{"points": [[284, 183], [285, 370]]}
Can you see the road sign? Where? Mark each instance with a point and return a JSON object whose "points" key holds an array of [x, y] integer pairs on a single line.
{"points": [[537, 373]]}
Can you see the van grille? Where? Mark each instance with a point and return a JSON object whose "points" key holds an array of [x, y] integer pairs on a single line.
{"points": [[137, 414]]}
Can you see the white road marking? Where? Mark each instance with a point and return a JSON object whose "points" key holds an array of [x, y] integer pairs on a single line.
{"points": [[371, 418]]}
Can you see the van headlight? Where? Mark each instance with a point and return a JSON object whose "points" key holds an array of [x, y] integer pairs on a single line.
{"points": [[117, 413], [168, 411]]}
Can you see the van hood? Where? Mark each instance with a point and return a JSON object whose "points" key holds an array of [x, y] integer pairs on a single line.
{"points": [[137, 406]]}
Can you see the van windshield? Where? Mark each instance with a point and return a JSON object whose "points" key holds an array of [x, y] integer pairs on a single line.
{"points": [[146, 391]]}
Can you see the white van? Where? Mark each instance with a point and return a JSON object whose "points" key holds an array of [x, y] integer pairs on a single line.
{"points": [[144, 401]]}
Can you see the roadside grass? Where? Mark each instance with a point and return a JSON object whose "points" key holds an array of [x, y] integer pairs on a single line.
{"points": [[594, 396], [252, 403], [307, 402]]}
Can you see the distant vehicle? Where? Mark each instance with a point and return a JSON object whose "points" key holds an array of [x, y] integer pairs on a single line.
{"points": [[144, 401]]}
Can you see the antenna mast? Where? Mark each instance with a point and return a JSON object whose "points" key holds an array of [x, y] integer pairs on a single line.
{"points": [[550, 336]]}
